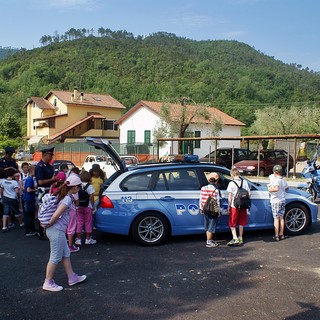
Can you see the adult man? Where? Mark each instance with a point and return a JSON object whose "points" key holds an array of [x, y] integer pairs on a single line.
{"points": [[45, 176], [7, 161]]}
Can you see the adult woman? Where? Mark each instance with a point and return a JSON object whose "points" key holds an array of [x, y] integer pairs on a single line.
{"points": [[56, 230]]}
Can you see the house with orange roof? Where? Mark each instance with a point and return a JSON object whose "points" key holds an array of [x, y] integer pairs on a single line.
{"points": [[138, 125], [72, 115]]}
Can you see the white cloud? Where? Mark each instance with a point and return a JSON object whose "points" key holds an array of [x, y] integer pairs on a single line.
{"points": [[233, 34], [71, 3]]}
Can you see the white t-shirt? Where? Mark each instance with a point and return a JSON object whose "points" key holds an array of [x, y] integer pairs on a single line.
{"points": [[232, 188], [280, 195], [90, 190], [9, 188]]}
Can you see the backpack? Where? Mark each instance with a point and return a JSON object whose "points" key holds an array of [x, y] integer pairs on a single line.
{"points": [[84, 196], [47, 208], [241, 198], [211, 206]]}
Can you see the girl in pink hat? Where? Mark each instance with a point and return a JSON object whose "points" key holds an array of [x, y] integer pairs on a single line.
{"points": [[56, 233]]}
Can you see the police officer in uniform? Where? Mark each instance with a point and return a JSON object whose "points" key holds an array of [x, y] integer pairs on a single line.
{"points": [[7, 161], [45, 176]]}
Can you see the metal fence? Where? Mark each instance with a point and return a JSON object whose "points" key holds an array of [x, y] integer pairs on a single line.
{"points": [[78, 151]]}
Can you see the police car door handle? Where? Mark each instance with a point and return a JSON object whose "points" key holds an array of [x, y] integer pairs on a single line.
{"points": [[167, 198]]}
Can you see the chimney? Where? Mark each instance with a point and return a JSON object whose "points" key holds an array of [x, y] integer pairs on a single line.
{"points": [[72, 97], [81, 96], [75, 93]]}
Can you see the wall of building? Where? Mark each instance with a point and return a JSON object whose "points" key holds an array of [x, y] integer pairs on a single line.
{"points": [[144, 119]]}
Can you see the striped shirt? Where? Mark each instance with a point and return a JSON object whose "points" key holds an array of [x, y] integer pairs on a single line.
{"points": [[206, 191]]}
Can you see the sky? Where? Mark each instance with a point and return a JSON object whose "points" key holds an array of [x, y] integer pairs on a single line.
{"points": [[287, 30]]}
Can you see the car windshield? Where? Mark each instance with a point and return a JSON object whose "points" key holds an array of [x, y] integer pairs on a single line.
{"points": [[100, 159], [254, 155]]}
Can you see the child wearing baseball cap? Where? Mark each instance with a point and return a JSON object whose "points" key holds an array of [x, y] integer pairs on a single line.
{"points": [[277, 188]]}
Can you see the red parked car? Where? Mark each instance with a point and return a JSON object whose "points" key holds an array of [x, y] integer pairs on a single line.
{"points": [[268, 158]]}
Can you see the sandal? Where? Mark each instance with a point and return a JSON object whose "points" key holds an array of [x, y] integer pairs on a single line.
{"points": [[276, 238], [281, 237]]}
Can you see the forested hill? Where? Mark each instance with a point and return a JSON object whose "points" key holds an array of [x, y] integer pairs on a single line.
{"points": [[6, 51], [229, 75]]}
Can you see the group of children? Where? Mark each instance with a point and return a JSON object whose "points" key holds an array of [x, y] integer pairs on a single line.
{"points": [[18, 190], [239, 217]]}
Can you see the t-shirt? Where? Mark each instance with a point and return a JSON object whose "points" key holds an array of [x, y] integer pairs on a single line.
{"points": [[280, 195], [9, 188], [232, 188], [29, 196], [206, 191], [96, 183], [90, 190], [62, 222]]}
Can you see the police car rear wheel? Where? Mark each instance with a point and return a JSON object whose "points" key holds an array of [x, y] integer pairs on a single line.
{"points": [[150, 228]]}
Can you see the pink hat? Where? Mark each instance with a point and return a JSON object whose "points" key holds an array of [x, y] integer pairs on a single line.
{"points": [[73, 180], [61, 176]]}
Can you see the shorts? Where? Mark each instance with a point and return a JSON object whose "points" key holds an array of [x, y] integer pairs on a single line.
{"points": [[278, 209], [10, 205], [210, 223], [59, 248], [237, 217]]}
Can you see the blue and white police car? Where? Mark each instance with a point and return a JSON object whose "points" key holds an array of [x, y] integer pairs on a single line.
{"points": [[154, 201]]}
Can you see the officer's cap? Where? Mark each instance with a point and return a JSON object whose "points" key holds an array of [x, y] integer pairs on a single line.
{"points": [[9, 149], [48, 150]]}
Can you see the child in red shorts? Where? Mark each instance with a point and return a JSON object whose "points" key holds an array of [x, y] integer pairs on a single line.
{"points": [[236, 216]]}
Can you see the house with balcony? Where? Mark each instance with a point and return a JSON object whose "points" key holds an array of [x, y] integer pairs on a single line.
{"points": [[72, 115], [138, 125]]}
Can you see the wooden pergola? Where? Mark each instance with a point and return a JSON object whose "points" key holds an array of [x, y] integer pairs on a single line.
{"points": [[293, 137]]}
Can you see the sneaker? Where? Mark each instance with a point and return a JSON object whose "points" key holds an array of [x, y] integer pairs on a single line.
{"points": [[50, 285], [91, 241], [212, 244], [74, 279], [73, 248], [5, 229], [233, 242], [11, 225], [240, 240], [31, 234], [21, 225], [78, 242]]}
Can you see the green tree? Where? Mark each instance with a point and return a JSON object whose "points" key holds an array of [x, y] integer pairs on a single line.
{"points": [[10, 127], [176, 119], [296, 120]]}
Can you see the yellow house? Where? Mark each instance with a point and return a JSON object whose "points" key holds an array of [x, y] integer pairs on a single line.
{"points": [[70, 116]]}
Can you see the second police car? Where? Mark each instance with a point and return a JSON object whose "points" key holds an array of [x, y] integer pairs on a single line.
{"points": [[154, 201]]}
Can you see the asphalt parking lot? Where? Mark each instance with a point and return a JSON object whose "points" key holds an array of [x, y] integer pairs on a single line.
{"points": [[181, 279]]}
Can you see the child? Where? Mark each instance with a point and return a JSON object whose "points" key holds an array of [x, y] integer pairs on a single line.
{"points": [[210, 222], [97, 178], [24, 174], [55, 231], [10, 199], [236, 216], [84, 214], [72, 225], [29, 203], [55, 187], [277, 188], [64, 168]]}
